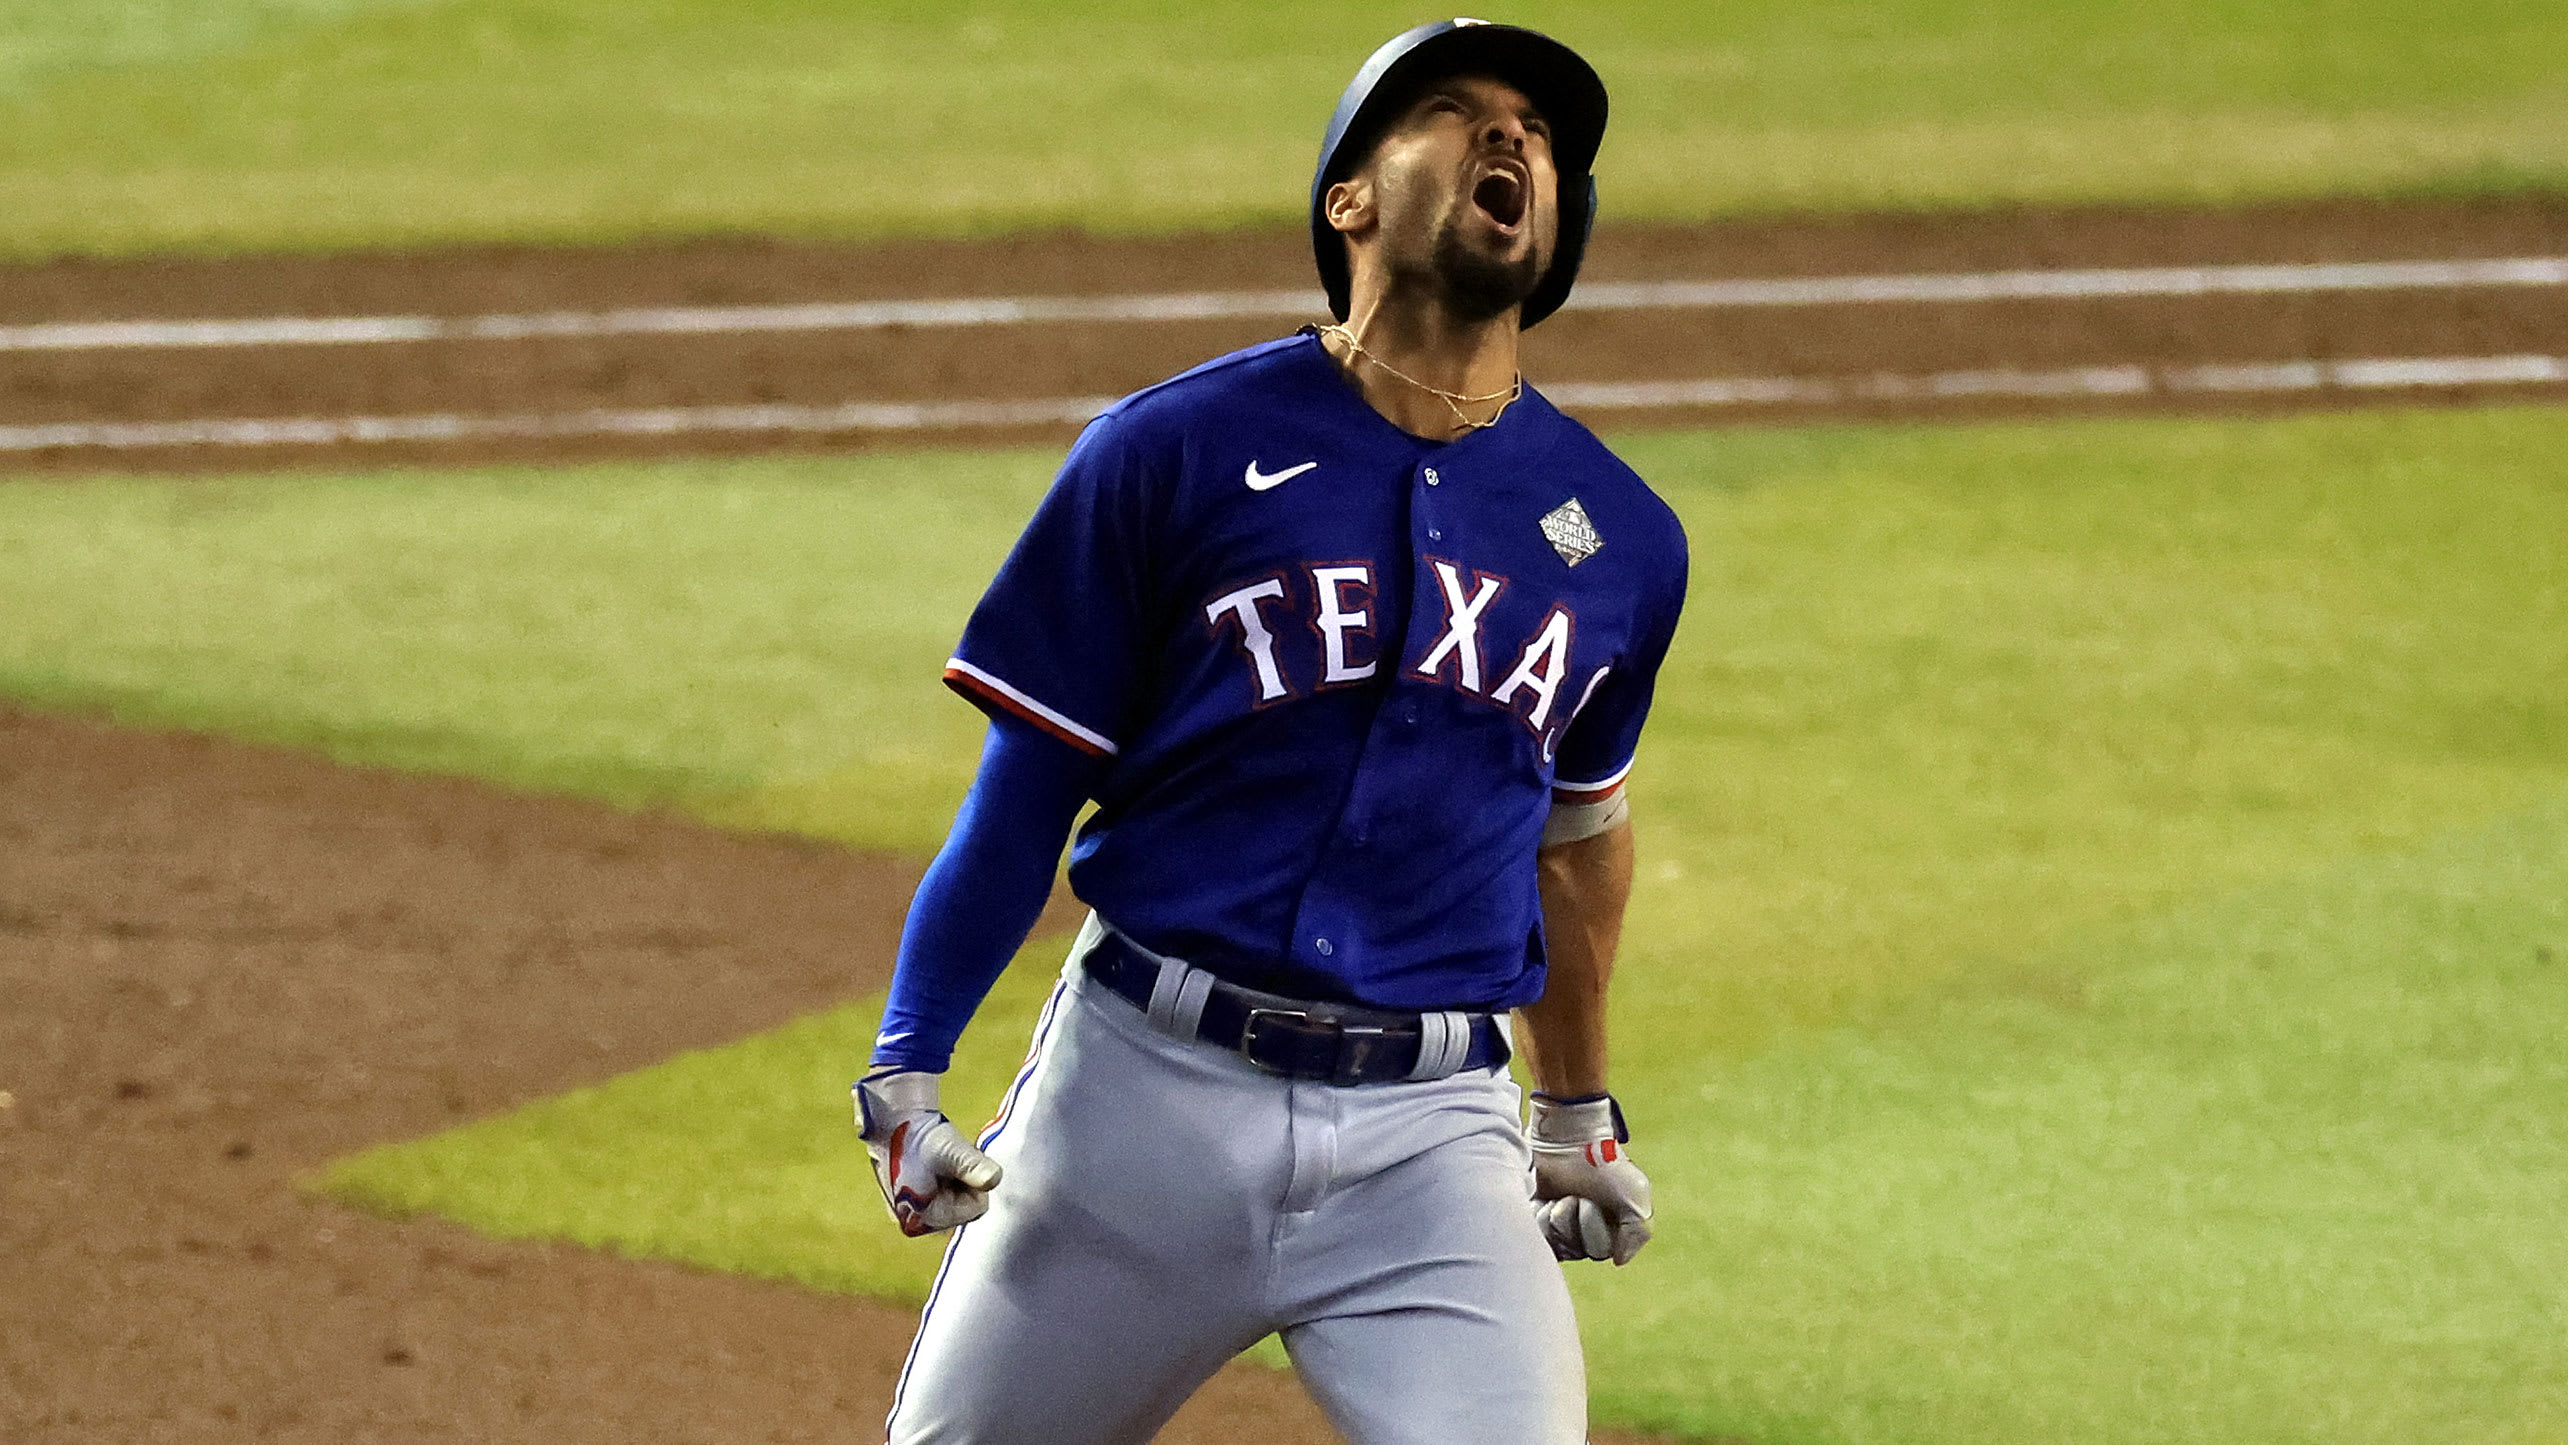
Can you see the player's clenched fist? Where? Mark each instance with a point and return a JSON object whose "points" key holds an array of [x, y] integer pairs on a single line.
{"points": [[931, 1175], [1593, 1201]]}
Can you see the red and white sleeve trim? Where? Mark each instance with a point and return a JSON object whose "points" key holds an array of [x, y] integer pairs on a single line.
{"points": [[964, 678], [1565, 791]]}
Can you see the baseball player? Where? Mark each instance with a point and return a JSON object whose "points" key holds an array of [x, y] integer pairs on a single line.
{"points": [[1349, 637]]}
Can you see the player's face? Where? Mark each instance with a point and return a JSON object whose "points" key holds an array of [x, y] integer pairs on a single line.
{"points": [[1464, 192]]}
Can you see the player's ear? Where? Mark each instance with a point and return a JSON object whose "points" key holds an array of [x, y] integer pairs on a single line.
{"points": [[1349, 205]]}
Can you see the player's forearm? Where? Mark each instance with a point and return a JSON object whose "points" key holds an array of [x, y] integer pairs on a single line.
{"points": [[983, 893], [1585, 886]]}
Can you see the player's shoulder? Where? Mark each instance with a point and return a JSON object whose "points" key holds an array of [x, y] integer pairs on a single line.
{"points": [[1214, 387], [1604, 480], [1144, 446], [1151, 432]]}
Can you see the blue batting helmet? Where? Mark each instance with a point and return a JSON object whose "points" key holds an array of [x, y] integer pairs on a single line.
{"points": [[1562, 86]]}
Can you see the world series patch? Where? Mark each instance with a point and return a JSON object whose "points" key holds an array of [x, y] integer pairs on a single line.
{"points": [[1570, 532]]}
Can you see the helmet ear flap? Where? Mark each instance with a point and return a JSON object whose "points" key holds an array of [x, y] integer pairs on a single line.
{"points": [[1577, 221]]}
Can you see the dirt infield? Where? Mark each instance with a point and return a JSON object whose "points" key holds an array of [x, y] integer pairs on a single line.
{"points": [[1090, 358], [221, 966]]}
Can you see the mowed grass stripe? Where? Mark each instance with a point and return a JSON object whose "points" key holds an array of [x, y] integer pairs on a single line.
{"points": [[2281, 1165], [687, 633], [262, 124]]}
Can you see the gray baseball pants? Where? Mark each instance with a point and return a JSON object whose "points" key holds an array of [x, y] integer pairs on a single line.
{"points": [[1167, 1204]]}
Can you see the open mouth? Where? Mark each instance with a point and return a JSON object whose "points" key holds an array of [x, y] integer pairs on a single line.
{"points": [[1501, 195]]}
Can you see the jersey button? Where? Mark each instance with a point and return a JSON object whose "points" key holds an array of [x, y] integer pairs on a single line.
{"points": [[1435, 534], [1432, 478], [1324, 946]]}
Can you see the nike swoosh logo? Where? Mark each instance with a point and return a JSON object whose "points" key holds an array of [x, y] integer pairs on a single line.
{"points": [[1260, 481]]}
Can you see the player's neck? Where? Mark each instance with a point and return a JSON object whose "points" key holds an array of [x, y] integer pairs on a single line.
{"points": [[1425, 342]]}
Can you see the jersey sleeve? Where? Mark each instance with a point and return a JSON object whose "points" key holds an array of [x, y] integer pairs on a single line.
{"points": [[1597, 749], [1057, 639], [982, 894]]}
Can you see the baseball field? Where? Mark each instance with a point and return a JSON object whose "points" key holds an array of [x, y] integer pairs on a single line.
{"points": [[2102, 929]]}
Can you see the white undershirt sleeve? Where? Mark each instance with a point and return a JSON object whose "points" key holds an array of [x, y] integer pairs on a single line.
{"points": [[1570, 822]]}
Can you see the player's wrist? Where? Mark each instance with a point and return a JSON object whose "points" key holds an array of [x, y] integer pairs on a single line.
{"points": [[1576, 1120], [886, 1096], [908, 1055]]}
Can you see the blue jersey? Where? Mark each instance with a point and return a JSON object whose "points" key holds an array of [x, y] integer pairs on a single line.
{"points": [[1339, 672]]}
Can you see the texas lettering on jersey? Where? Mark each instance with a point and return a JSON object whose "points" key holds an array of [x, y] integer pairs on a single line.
{"points": [[1340, 617], [1336, 674]]}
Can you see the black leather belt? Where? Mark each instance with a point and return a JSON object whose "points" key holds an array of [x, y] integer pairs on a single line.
{"points": [[1333, 1042]]}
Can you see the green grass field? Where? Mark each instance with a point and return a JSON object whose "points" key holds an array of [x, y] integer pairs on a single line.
{"points": [[757, 641], [2280, 1165], [135, 125], [2088, 977]]}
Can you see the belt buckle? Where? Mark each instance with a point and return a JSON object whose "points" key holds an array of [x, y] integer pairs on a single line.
{"points": [[1351, 1047], [1249, 1032]]}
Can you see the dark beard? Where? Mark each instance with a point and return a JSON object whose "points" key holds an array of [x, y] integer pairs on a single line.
{"points": [[1479, 287]]}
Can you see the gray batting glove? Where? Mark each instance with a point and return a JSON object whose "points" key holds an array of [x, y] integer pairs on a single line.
{"points": [[931, 1175], [1593, 1201]]}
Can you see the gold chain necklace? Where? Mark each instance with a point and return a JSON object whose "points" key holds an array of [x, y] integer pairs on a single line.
{"points": [[1453, 400]]}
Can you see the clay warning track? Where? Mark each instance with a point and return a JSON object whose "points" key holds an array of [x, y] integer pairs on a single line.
{"points": [[498, 353], [222, 966]]}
